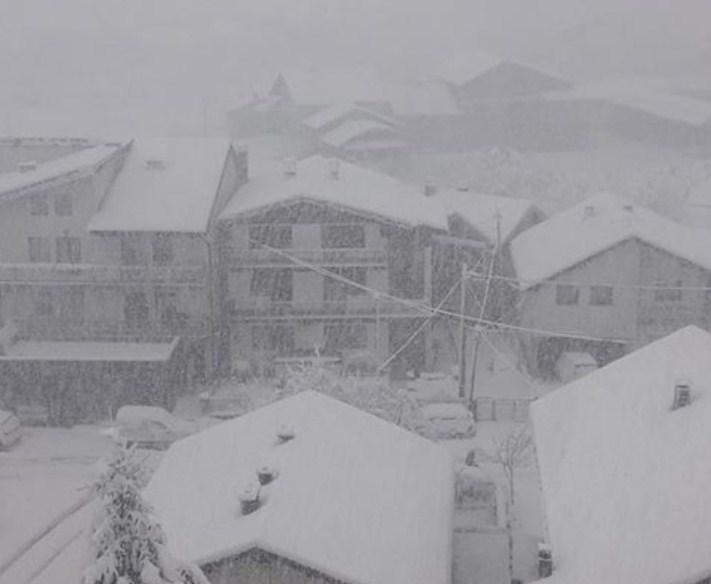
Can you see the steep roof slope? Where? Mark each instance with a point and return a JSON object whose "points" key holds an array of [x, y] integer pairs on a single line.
{"points": [[62, 168], [626, 479], [356, 498], [165, 185], [595, 225], [356, 188]]}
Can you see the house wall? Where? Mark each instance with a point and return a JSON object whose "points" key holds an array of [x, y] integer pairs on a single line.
{"points": [[258, 567], [636, 316]]}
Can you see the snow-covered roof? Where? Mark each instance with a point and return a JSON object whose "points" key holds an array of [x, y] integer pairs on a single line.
{"points": [[424, 97], [88, 351], [356, 188], [59, 168], [463, 68], [333, 85], [700, 195], [649, 95], [356, 498], [625, 478], [480, 211], [344, 133], [332, 114], [594, 226], [165, 185]]}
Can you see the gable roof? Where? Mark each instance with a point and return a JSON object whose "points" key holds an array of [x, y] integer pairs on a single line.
{"points": [[165, 185], [463, 68], [356, 498], [626, 479], [480, 211], [329, 115], [362, 130], [59, 169], [356, 188], [594, 226]]}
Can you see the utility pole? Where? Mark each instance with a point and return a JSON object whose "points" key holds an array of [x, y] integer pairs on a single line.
{"points": [[462, 330]]}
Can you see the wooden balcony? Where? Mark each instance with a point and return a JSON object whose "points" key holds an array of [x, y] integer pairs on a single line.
{"points": [[259, 309], [101, 274], [256, 258]]}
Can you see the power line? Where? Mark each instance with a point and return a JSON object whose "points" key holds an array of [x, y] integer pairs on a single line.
{"points": [[424, 308], [551, 282]]}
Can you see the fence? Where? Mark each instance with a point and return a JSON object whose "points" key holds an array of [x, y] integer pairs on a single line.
{"points": [[496, 409]]}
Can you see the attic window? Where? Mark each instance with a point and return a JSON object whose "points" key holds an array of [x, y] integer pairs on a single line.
{"points": [[155, 164], [682, 395]]}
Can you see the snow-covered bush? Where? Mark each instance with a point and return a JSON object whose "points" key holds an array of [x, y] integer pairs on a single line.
{"points": [[371, 394], [127, 542]]}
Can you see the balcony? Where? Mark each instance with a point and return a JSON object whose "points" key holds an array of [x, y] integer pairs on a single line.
{"points": [[258, 309], [46, 328], [101, 274], [254, 258]]}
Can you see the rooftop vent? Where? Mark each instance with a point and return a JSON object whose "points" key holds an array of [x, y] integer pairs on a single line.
{"points": [[249, 499], [682, 394], [155, 164], [430, 187], [285, 433], [266, 474], [27, 166], [463, 188], [590, 211], [629, 208], [545, 560], [289, 167]]}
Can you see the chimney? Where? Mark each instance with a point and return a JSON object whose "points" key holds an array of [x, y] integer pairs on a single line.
{"points": [[682, 394], [266, 474], [285, 433], [27, 166], [249, 499], [629, 207], [289, 167], [334, 168], [590, 211], [430, 187], [155, 164]]}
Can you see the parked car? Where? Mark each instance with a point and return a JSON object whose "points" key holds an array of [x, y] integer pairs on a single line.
{"points": [[450, 420], [150, 427], [10, 429], [571, 365]]}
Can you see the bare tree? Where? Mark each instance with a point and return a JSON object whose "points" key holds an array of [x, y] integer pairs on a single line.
{"points": [[512, 451]]}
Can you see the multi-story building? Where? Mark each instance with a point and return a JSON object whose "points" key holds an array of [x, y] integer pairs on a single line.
{"points": [[608, 276], [114, 243]]}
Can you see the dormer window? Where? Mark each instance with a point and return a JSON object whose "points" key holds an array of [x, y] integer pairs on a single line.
{"points": [[682, 394]]}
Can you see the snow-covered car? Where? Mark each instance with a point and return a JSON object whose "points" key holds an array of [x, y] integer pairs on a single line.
{"points": [[10, 429], [450, 420], [150, 427]]}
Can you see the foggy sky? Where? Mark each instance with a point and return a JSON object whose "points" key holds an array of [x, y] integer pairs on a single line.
{"points": [[163, 65]]}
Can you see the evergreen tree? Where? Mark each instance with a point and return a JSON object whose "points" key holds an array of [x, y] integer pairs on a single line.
{"points": [[128, 543]]}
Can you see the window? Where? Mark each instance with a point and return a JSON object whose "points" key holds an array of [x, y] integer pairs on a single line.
{"points": [[71, 304], [130, 251], [275, 284], [342, 236], [39, 205], [167, 308], [671, 294], [162, 250], [566, 294], [135, 310], [601, 295], [39, 249], [68, 250], [278, 338], [63, 204], [278, 236], [42, 300], [334, 289], [343, 336]]}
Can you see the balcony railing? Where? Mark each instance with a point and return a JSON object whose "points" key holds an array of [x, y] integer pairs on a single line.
{"points": [[351, 308], [54, 329], [97, 273], [338, 257]]}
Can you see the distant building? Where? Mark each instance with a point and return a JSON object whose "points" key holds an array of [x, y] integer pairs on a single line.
{"points": [[610, 270], [624, 468], [347, 498]]}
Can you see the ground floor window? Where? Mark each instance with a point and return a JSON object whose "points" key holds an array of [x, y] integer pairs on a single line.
{"points": [[278, 338], [344, 336]]}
